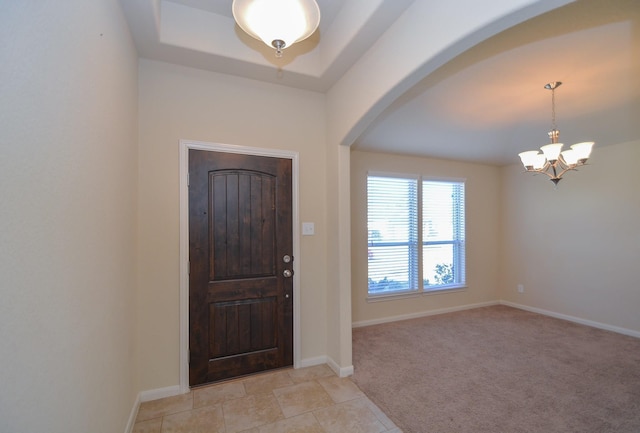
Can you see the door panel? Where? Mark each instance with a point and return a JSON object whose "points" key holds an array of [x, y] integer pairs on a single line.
{"points": [[242, 326], [243, 224], [240, 302]]}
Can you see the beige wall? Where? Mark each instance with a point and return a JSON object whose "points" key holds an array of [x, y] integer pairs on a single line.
{"points": [[68, 173], [576, 249], [482, 234], [181, 103]]}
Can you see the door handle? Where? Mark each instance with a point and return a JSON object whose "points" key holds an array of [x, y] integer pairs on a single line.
{"points": [[287, 273]]}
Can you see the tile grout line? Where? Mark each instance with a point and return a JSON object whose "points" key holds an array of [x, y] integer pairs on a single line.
{"points": [[224, 417], [276, 397], [318, 421]]}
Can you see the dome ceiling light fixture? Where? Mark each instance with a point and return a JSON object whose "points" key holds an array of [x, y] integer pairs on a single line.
{"points": [[278, 23], [552, 161]]}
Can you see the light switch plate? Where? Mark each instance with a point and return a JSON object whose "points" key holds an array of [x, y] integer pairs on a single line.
{"points": [[308, 229]]}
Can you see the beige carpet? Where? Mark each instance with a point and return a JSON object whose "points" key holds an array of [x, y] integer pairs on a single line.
{"points": [[500, 370]]}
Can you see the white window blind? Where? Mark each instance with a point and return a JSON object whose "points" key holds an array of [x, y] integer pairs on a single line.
{"points": [[392, 218], [397, 229]]}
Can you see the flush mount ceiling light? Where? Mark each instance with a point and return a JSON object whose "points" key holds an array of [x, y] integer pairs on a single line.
{"points": [[552, 161], [278, 23]]}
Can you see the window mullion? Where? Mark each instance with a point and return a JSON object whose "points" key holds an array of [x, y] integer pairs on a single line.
{"points": [[414, 221], [420, 239]]}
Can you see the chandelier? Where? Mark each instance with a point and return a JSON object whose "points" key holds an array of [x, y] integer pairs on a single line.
{"points": [[553, 161], [278, 23]]}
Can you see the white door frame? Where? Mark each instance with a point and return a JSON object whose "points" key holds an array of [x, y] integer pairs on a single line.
{"points": [[185, 146]]}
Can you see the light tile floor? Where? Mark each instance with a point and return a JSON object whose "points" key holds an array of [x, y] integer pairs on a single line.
{"points": [[307, 400]]}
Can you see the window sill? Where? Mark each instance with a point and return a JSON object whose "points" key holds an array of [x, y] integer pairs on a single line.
{"points": [[450, 289], [393, 296], [415, 294]]}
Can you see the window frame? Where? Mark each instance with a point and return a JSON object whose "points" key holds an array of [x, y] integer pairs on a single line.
{"points": [[414, 269], [458, 245], [458, 242]]}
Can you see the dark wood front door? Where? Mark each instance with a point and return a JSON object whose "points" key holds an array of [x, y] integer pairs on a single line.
{"points": [[240, 254]]}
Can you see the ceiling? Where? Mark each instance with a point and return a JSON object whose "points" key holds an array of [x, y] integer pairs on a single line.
{"points": [[485, 106]]}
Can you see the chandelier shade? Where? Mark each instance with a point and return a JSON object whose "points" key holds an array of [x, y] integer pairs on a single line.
{"points": [[278, 23], [553, 161]]}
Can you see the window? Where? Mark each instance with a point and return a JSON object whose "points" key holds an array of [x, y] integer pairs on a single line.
{"points": [[416, 235], [443, 234], [392, 205]]}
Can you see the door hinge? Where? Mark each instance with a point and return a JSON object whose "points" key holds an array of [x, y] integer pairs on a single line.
{"points": [[188, 180], [189, 268]]}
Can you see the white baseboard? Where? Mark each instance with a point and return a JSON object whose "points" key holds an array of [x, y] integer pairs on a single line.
{"points": [[149, 395], [133, 415], [593, 324], [310, 362], [340, 371], [155, 394], [422, 314], [319, 360], [170, 391]]}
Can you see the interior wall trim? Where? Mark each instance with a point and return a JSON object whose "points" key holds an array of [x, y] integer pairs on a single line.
{"points": [[340, 371], [133, 415], [149, 395], [389, 319], [592, 323], [587, 322]]}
